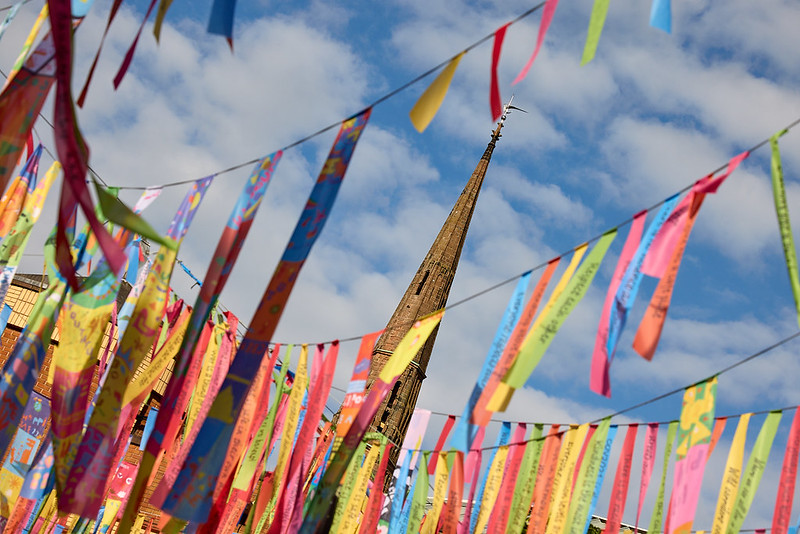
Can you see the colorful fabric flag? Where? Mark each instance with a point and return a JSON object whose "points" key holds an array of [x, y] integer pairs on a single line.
{"points": [[373, 511], [783, 501], [658, 507], [631, 280], [163, 6], [547, 17], [697, 417], [357, 387], [454, 494], [408, 347], [523, 493], [648, 462], [599, 380], [465, 430], [751, 477], [541, 335], [406, 462], [652, 324], [221, 20], [480, 414], [83, 491], [501, 441], [730, 479], [112, 13], [494, 92], [500, 516], [619, 492], [440, 480], [582, 493], [126, 61], [562, 480], [431, 100], [13, 199], [596, 23], [661, 15], [176, 396], [782, 211], [542, 491]]}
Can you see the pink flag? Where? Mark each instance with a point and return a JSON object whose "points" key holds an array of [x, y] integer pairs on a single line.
{"points": [[648, 460], [601, 360], [783, 502], [547, 16], [494, 95], [619, 493]]}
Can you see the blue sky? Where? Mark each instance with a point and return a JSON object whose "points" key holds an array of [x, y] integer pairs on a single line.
{"points": [[651, 114]]}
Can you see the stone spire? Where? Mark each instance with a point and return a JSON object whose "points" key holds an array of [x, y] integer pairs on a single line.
{"points": [[427, 293]]}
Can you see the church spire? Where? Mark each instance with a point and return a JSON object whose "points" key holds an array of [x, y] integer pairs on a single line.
{"points": [[427, 293]]}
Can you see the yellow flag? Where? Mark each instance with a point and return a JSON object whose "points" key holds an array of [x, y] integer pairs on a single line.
{"points": [[503, 393], [730, 480], [492, 488], [439, 494], [562, 481], [428, 104], [409, 346], [352, 511]]}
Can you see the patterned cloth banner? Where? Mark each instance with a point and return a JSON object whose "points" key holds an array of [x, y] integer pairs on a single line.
{"points": [[471, 472], [454, 494], [697, 417], [83, 492], [547, 16], [783, 501], [431, 100], [478, 507], [440, 483], [619, 492], [73, 151], [420, 494], [14, 198], [23, 97], [448, 426], [177, 395], [596, 23], [599, 380], [352, 509], [582, 493], [357, 387], [494, 90], [730, 479], [22, 367], [408, 347], [499, 517], [784, 225], [490, 487], [751, 477], [373, 511], [465, 431], [480, 414], [661, 15], [13, 246], [541, 335], [629, 286], [650, 328], [648, 462]]}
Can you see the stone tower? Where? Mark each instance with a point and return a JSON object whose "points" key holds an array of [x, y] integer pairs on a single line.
{"points": [[427, 293]]}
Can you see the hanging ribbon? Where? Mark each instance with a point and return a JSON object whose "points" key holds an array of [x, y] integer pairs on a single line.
{"points": [[502, 440], [465, 431], [357, 387], [783, 501], [652, 324], [596, 23], [693, 441], [523, 493], [480, 415], [562, 481], [542, 335], [648, 462], [431, 100], [544, 481], [12, 12], [784, 225], [547, 16], [440, 480], [619, 493], [587, 477], [126, 61], [494, 92], [455, 494], [730, 478], [751, 477], [500, 516], [373, 511], [112, 13], [599, 381]]}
